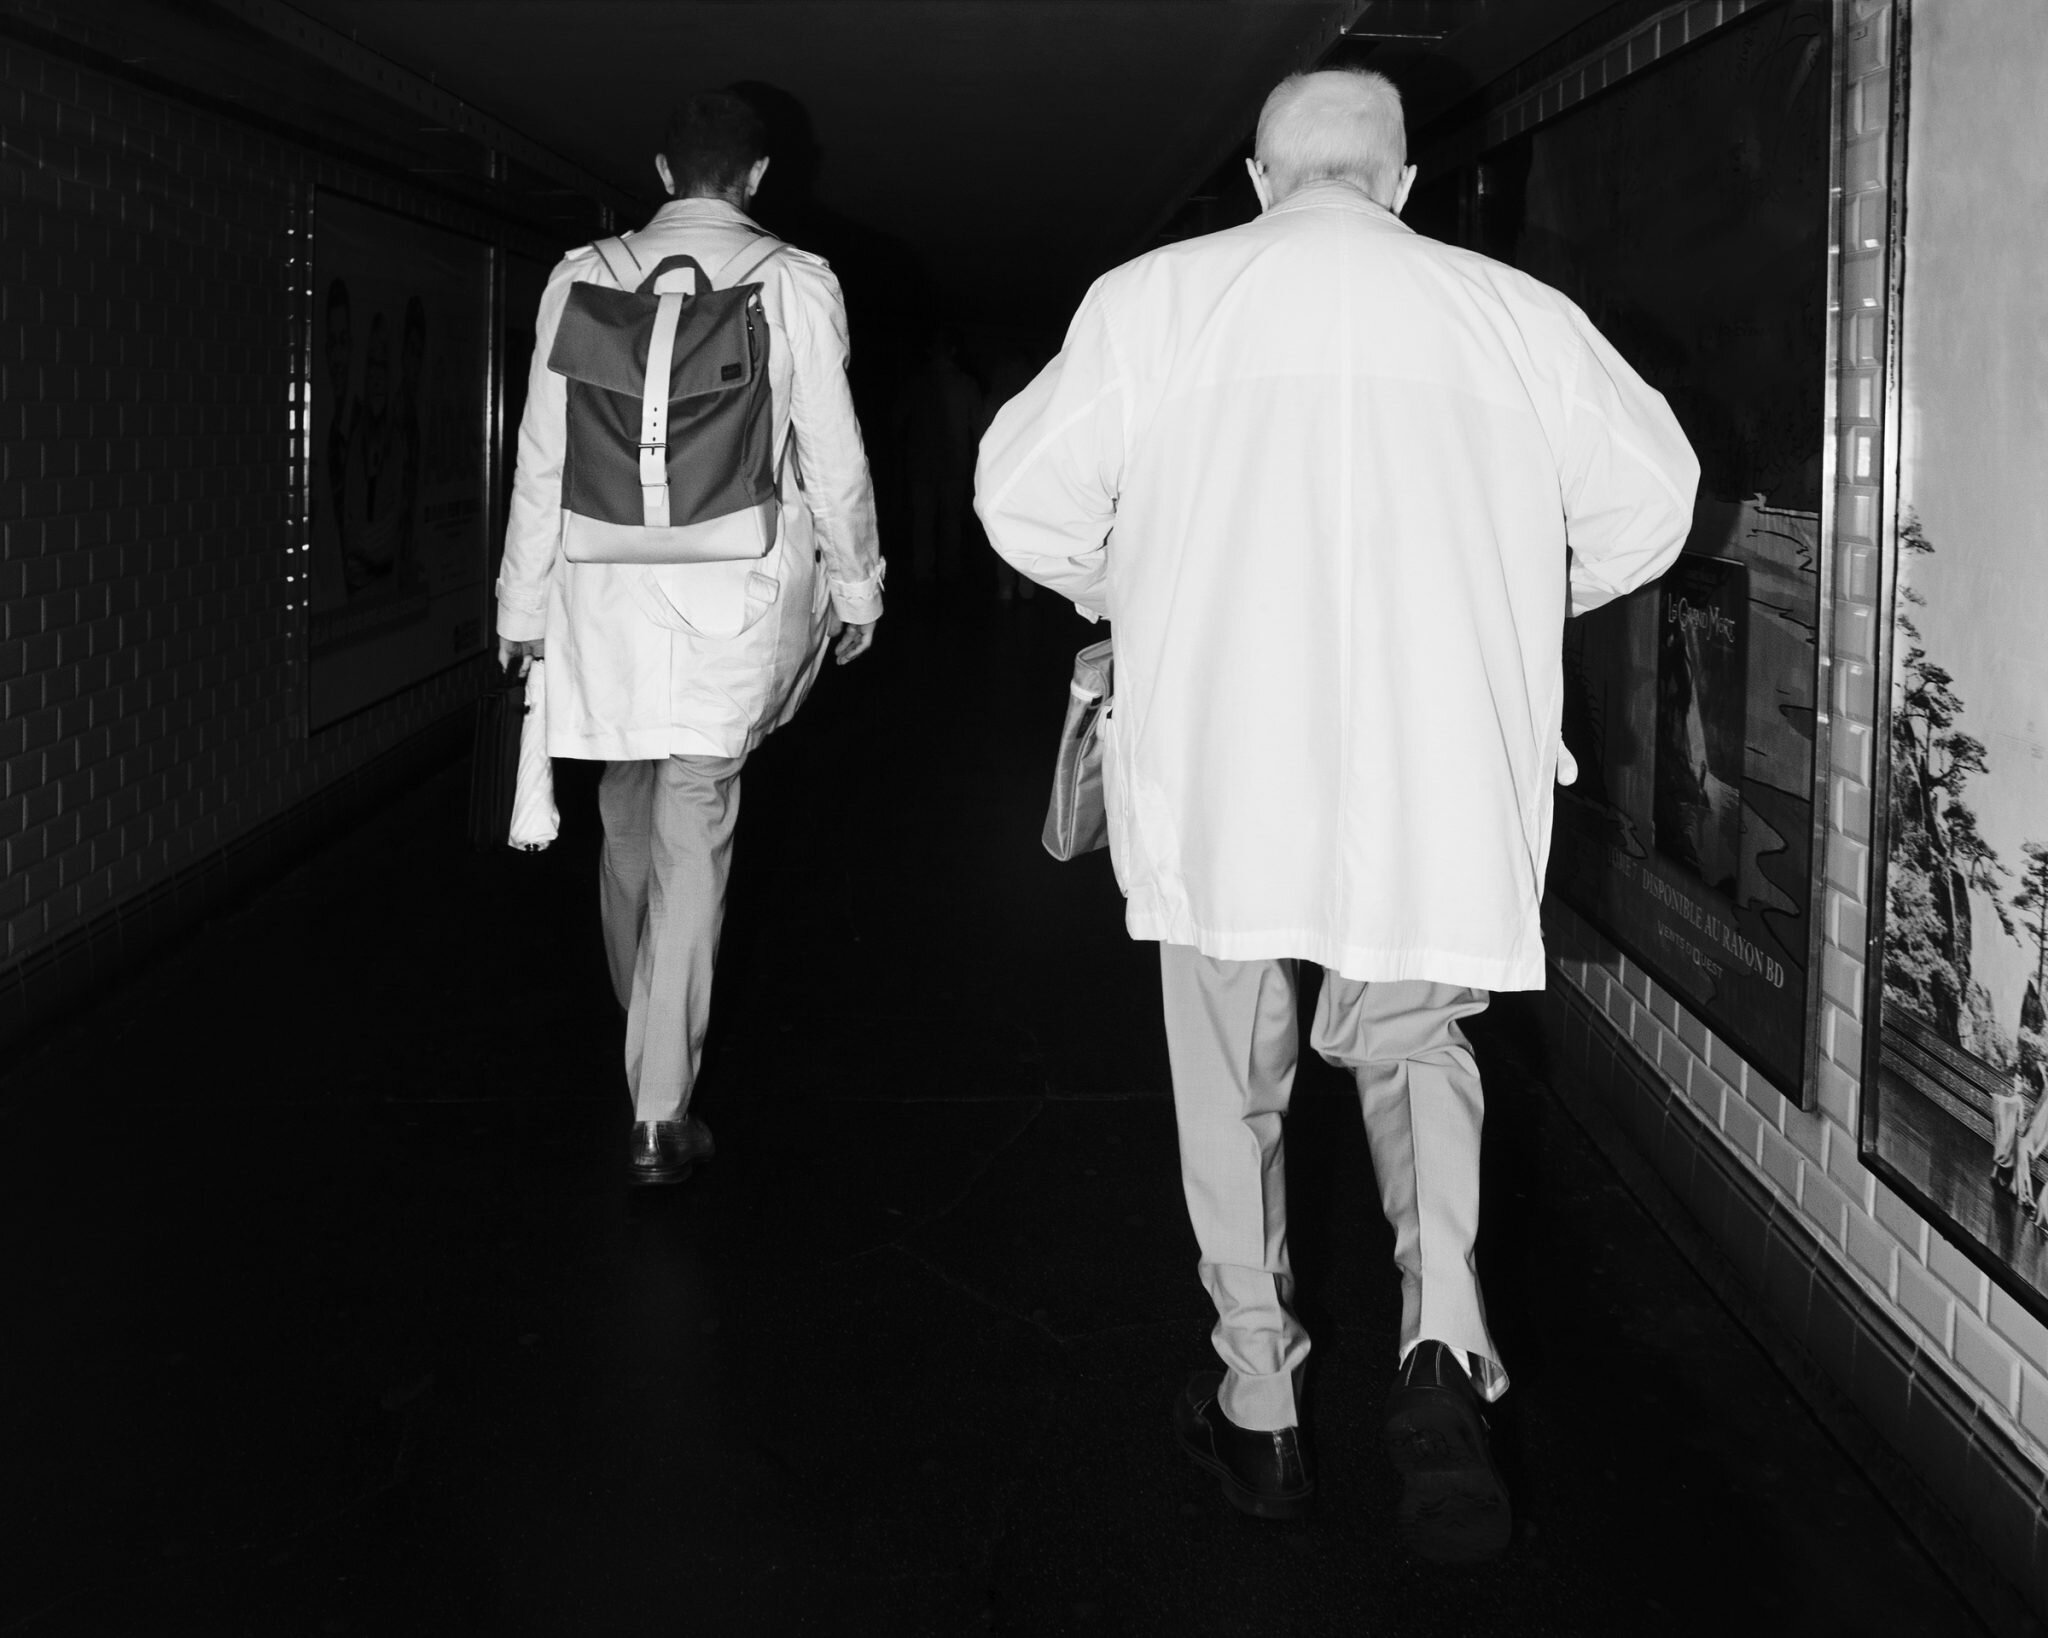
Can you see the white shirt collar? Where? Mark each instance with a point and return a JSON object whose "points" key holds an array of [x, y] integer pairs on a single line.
{"points": [[701, 209], [1331, 194]]}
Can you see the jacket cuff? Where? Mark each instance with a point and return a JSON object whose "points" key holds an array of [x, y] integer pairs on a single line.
{"points": [[522, 613], [859, 602]]}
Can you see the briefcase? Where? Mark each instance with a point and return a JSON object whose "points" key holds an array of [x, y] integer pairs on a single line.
{"points": [[1077, 822], [494, 759]]}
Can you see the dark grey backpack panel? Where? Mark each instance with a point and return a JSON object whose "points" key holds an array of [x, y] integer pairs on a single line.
{"points": [[721, 426]]}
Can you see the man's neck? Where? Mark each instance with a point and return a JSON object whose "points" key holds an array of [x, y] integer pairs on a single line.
{"points": [[1326, 183]]}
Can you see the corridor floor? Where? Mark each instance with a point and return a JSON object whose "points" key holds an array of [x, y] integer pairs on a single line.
{"points": [[329, 1312]]}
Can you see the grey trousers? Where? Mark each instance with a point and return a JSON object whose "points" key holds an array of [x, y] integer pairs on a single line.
{"points": [[661, 889], [1231, 1036]]}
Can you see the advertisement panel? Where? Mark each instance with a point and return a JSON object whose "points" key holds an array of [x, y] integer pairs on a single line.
{"points": [[1955, 1113], [400, 430], [1686, 210]]}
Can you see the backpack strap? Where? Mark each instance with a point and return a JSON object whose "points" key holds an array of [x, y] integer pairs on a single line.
{"points": [[661, 348], [617, 255], [775, 248]]}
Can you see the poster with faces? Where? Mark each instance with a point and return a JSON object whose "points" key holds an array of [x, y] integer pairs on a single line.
{"points": [[398, 457]]}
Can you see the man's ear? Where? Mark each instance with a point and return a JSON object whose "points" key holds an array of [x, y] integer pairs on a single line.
{"points": [[1401, 187], [668, 179], [754, 176], [1260, 185]]}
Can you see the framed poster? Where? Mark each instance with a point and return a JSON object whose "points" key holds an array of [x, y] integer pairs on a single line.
{"points": [[1686, 210], [1955, 1106], [399, 461]]}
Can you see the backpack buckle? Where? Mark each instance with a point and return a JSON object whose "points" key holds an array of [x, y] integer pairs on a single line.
{"points": [[654, 485]]}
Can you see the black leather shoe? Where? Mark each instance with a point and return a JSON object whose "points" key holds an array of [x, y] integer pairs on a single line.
{"points": [[1454, 1508], [1265, 1474], [667, 1151]]}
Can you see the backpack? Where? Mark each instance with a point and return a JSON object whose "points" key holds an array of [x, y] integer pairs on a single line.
{"points": [[670, 455]]}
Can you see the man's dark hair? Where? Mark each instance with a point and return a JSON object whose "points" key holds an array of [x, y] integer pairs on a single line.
{"points": [[711, 142]]}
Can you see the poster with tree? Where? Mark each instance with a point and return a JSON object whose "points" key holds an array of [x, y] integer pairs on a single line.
{"points": [[1955, 1113]]}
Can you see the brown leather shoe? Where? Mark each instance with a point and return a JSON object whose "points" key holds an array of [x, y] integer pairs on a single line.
{"points": [[1454, 1507], [668, 1151], [1264, 1474]]}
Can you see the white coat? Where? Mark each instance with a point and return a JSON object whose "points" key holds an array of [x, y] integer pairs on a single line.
{"points": [[1321, 473], [699, 659]]}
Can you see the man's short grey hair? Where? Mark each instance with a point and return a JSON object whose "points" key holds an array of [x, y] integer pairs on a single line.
{"points": [[1341, 124]]}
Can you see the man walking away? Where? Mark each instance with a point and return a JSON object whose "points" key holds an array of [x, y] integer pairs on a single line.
{"points": [[1326, 476], [672, 673]]}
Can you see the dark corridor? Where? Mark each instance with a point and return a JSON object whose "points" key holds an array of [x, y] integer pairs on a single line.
{"points": [[343, 1321]]}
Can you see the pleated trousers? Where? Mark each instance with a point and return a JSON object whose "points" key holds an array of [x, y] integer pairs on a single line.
{"points": [[1231, 1033], [668, 830]]}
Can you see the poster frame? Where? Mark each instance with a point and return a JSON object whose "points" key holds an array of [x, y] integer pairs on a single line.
{"points": [[490, 432], [1876, 1056], [299, 548], [1801, 1088]]}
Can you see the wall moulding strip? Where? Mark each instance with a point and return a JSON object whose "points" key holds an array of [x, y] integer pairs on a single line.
{"points": [[1628, 54], [84, 42]]}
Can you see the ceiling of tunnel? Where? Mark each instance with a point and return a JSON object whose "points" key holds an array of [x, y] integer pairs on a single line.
{"points": [[1010, 147], [994, 153], [979, 159]]}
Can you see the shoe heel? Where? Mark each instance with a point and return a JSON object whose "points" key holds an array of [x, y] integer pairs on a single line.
{"points": [[654, 1180], [1264, 1507]]}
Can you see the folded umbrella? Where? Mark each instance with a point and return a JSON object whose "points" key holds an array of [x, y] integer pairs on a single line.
{"points": [[535, 821]]}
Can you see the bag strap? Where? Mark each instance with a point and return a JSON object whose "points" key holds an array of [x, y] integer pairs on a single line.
{"points": [[612, 252], [617, 252], [775, 248], [661, 349]]}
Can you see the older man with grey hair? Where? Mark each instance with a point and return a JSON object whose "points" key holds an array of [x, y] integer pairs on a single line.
{"points": [[1337, 486]]}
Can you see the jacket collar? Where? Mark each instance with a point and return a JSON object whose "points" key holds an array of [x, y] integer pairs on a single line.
{"points": [[1335, 195], [696, 212]]}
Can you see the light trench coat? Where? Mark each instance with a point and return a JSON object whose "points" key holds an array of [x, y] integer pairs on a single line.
{"points": [[1322, 474], [698, 659]]}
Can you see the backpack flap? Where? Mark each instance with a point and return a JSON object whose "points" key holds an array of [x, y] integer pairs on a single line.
{"points": [[604, 338]]}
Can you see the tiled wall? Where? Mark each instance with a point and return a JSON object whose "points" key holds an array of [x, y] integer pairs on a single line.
{"points": [[1967, 1328], [152, 654]]}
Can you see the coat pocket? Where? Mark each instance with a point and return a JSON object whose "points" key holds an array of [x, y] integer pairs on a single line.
{"points": [[717, 600]]}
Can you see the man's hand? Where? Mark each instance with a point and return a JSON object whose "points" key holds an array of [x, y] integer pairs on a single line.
{"points": [[522, 649], [854, 641]]}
